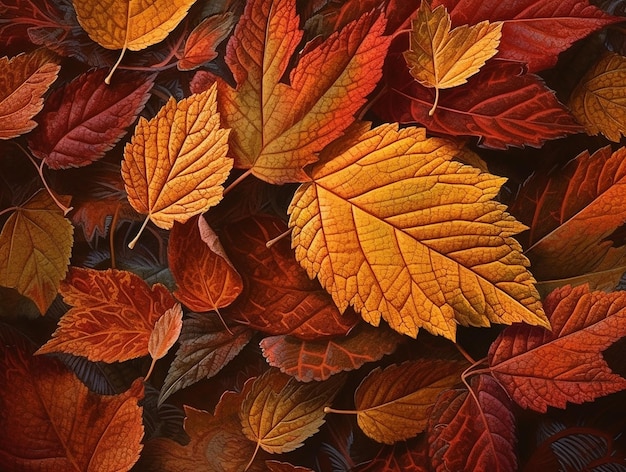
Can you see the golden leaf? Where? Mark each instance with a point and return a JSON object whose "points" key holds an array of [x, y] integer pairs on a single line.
{"points": [[599, 100], [395, 227], [442, 58], [165, 333], [175, 164]]}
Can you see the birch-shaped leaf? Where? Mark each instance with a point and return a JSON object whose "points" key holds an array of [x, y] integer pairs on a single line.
{"points": [[164, 334], [175, 164], [441, 57], [204, 39], [394, 226]]}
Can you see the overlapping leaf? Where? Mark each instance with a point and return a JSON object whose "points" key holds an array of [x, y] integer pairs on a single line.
{"points": [[404, 456], [23, 82], [395, 227], [165, 332], [277, 128], [276, 466], [112, 317], [204, 39], [35, 248], [84, 119], [539, 368]]}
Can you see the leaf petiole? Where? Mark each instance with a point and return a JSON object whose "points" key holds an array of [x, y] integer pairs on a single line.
{"points": [[131, 244], [256, 449], [431, 112]]}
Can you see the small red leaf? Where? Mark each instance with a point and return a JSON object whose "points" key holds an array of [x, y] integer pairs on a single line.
{"points": [[204, 39]]}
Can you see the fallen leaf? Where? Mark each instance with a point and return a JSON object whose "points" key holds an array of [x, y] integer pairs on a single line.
{"points": [[23, 82], [403, 456], [394, 404], [85, 118], [470, 431], [112, 317], [204, 39], [35, 247], [539, 368], [278, 297], [277, 128], [175, 164], [279, 413], [321, 358], [599, 100], [440, 57], [165, 332], [393, 226], [58, 424], [205, 348], [205, 277]]}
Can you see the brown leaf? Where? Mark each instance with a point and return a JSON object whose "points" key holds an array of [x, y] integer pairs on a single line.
{"points": [[276, 466], [166, 331]]}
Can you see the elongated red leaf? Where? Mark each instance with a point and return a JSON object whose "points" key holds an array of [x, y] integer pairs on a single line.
{"points": [[540, 368]]}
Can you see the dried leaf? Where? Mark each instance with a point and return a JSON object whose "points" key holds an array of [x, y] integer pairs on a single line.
{"points": [[205, 277], [395, 227], [442, 58], [539, 368], [404, 456], [204, 39], [165, 332], [112, 317], [35, 248], [276, 466], [473, 431], [84, 119], [394, 404], [23, 82], [175, 164], [599, 100]]}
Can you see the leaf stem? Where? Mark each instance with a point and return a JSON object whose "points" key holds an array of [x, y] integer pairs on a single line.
{"points": [[237, 181], [432, 110], [273, 241], [7, 210], [131, 244], [328, 409], [256, 449], [107, 80], [465, 354], [150, 370]]}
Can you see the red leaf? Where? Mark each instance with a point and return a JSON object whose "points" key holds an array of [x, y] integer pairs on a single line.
{"points": [[206, 278], [81, 121], [539, 368], [319, 359], [404, 456], [204, 39], [278, 297], [470, 432]]}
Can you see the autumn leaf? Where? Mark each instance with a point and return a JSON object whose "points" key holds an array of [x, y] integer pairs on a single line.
{"points": [[277, 128], [394, 404], [164, 334], [276, 466], [206, 278], [599, 101], [539, 368], [206, 346], [84, 119], [204, 39], [395, 227], [278, 297], [470, 431], [403, 456], [112, 317], [175, 164], [319, 359], [58, 424], [442, 58], [35, 248], [23, 82]]}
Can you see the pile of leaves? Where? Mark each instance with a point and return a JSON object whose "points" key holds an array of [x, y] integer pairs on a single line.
{"points": [[328, 235]]}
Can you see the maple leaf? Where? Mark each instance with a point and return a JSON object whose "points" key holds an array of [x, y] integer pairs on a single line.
{"points": [[470, 431], [277, 296], [175, 164], [277, 128], [321, 358], [84, 119], [23, 82], [571, 212], [58, 424], [395, 227], [204, 39], [205, 348], [442, 58], [35, 248], [539, 368], [112, 317], [599, 99], [206, 278]]}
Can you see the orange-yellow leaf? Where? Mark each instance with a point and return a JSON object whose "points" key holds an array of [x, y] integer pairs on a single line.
{"points": [[442, 58], [204, 39], [599, 100], [112, 318], [23, 81], [166, 331], [175, 164], [394, 226], [35, 248]]}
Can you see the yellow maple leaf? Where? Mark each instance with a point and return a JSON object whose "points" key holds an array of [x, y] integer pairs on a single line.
{"points": [[599, 100], [175, 164], [129, 24], [442, 58], [395, 227]]}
